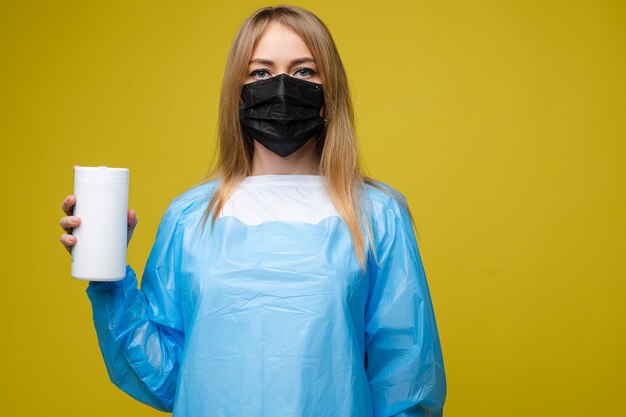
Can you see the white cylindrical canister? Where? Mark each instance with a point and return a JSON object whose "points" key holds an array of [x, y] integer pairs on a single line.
{"points": [[102, 205]]}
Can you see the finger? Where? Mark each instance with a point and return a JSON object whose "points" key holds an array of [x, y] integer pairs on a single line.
{"points": [[69, 222], [132, 223], [68, 241], [132, 219], [68, 204]]}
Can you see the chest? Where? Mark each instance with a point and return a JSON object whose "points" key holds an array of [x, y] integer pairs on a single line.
{"points": [[286, 265]]}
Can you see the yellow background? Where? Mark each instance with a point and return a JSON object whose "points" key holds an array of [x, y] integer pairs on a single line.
{"points": [[503, 122]]}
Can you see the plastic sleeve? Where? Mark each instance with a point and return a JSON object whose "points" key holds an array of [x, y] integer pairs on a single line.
{"points": [[404, 359], [140, 332]]}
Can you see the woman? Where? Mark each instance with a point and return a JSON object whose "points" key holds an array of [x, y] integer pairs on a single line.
{"points": [[290, 285]]}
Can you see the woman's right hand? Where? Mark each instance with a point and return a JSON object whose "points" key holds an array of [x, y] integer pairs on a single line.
{"points": [[69, 222]]}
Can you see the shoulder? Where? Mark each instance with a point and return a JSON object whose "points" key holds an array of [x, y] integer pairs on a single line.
{"points": [[191, 203], [390, 219], [193, 195], [388, 214], [381, 199]]}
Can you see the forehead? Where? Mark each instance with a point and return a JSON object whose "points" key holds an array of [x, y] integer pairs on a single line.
{"points": [[280, 43]]}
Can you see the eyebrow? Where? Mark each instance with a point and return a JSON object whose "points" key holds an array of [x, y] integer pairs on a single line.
{"points": [[294, 62]]}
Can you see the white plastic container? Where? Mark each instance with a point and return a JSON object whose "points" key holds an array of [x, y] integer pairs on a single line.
{"points": [[102, 205]]}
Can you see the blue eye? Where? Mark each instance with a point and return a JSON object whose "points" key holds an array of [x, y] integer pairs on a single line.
{"points": [[259, 73], [304, 72]]}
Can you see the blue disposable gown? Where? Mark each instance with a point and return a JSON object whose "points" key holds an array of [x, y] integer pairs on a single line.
{"points": [[270, 314]]}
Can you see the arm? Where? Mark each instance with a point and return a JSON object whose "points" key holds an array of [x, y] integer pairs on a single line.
{"points": [[140, 332], [404, 359]]}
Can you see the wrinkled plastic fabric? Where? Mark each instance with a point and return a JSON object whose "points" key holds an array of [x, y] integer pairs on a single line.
{"points": [[282, 112], [275, 319]]}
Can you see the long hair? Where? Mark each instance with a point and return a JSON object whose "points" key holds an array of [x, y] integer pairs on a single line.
{"points": [[339, 164]]}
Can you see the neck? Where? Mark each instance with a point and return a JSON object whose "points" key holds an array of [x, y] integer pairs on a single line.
{"points": [[305, 161]]}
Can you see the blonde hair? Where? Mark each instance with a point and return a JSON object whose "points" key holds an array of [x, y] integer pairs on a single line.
{"points": [[339, 164]]}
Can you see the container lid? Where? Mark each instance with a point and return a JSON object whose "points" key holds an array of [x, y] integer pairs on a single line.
{"points": [[101, 174]]}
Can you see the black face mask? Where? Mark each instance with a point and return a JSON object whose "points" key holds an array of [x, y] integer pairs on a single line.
{"points": [[282, 112]]}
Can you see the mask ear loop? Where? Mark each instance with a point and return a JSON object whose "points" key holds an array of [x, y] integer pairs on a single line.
{"points": [[248, 141], [321, 138]]}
